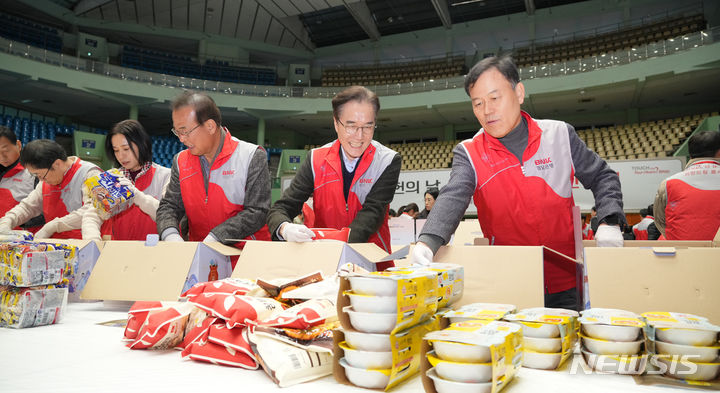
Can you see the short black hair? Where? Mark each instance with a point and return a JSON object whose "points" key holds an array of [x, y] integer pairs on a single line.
{"points": [[594, 209], [9, 134], [42, 154], [203, 105], [433, 191], [504, 64], [135, 133], [354, 93], [650, 210], [643, 212], [704, 144]]}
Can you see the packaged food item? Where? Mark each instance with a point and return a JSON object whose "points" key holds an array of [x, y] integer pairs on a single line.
{"points": [[287, 364], [206, 351], [484, 311], [304, 315], [364, 377], [108, 196], [331, 234], [366, 359], [16, 235], [276, 288], [27, 264], [237, 310], [163, 329], [451, 280], [549, 335], [29, 307], [137, 315], [679, 328], [472, 356], [235, 338], [227, 286], [611, 324], [616, 364], [318, 338]]}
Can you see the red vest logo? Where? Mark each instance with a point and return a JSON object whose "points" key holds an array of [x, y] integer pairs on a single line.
{"points": [[228, 173], [543, 161], [366, 181]]}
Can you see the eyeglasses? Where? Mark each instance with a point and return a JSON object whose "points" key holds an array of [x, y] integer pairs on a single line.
{"points": [[184, 133], [44, 176], [353, 129]]}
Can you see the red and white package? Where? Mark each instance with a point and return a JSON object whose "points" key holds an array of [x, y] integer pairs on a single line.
{"points": [[136, 317], [197, 327], [304, 315], [236, 338], [163, 329], [237, 310], [229, 286], [331, 234], [205, 351]]}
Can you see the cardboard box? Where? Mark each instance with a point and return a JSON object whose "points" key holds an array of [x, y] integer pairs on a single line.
{"points": [[130, 270], [500, 274], [288, 259], [466, 233], [650, 279], [88, 254]]}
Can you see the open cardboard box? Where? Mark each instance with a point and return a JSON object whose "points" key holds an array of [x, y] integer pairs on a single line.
{"points": [[130, 270], [288, 259], [500, 274], [88, 254]]}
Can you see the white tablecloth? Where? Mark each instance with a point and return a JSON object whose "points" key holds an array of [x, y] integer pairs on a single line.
{"points": [[78, 355]]}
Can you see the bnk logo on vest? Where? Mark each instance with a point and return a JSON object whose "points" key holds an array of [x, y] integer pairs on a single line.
{"points": [[630, 364]]}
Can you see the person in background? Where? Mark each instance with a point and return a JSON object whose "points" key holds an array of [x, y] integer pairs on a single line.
{"points": [[16, 182], [410, 210], [130, 147], [594, 219], [352, 179], [58, 196], [628, 232], [587, 233], [430, 196], [653, 232], [641, 229], [221, 183], [687, 204], [519, 171]]}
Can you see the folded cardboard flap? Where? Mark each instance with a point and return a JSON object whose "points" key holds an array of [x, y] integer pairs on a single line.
{"points": [[499, 274], [639, 280], [130, 270]]}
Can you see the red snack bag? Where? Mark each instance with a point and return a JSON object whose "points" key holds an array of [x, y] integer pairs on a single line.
{"points": [[197, 328], [230, 286], [331, 234], [219, 354], [163, 329], [136, 317], [304, 315], [237, 310], [236, 338]]}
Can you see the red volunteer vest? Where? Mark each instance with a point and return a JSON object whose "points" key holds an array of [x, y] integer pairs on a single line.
{"points": [[66, 197], [693, 202], [528, 203], [133, 223], [641, 229], [225, 196], [331, 210], [15, 185]]}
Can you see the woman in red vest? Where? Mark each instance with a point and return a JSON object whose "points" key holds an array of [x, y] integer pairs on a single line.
{"points": [[131, 148]]}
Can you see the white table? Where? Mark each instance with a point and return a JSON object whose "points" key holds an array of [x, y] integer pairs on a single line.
{"points": [[78, 355]]}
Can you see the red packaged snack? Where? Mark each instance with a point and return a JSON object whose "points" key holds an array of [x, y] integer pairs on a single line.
{"points": [[205, 351], [197, 328], [136, 317], [236, 338], [304, 315], [331, 234], [163, 329], [229, 286], [237, 310]]}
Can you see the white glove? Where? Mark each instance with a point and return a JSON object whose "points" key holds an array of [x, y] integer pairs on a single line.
{"points": [[5, 225], [174, 237], [609, 236], [422, 255], [296, 233], [47, 231], [210, 238]]}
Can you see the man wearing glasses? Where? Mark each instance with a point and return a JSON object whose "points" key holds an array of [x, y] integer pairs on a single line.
{"points": [[352, 180], [58, 195], [219, 182]]}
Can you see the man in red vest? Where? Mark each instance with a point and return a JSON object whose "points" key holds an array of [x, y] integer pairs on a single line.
{"points": [[687, 204], [58, 195], [219, 182], [15, 182], [519, 172], [352, 180]]}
